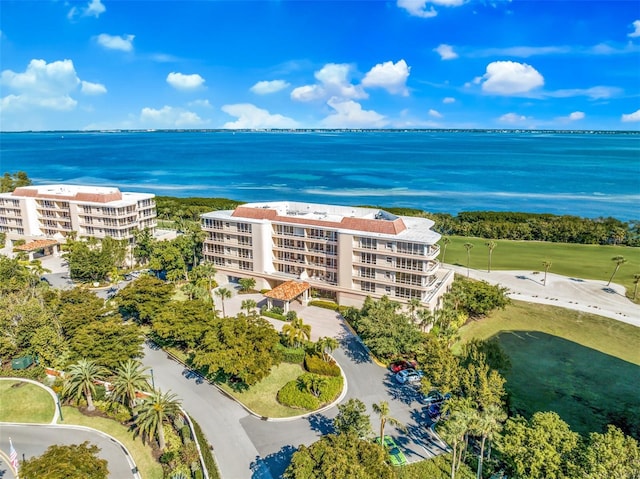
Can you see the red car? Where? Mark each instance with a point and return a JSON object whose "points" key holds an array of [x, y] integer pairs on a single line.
{"points": [[402, 364]]}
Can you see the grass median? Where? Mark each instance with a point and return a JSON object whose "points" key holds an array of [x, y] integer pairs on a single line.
{"points": [[25, 402]]}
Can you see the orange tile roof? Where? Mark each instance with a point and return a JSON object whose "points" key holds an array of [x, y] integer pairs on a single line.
{"points": [[36, 245], [288, 291], [358, 224], [86, 196]]}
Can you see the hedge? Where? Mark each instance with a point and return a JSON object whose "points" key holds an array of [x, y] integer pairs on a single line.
{"points": [[291, 355], [209, 460], [270, 314], [315, 364], [292, 395], [320, 303]]}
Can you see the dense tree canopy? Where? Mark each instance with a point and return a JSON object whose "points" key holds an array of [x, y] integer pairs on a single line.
{"points": [[144, 297], [76, 461], [11, 181], [183, 323], [340, 455], [107, 341]]}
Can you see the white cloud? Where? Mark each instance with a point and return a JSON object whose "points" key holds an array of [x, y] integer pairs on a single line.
{"points": [[251, 117], [390, 76], [93, 9], [41, 85], [169, 117], [510, 78], [576, 115], [266, 87], [636, 29], [435, 113], [446, 52], [89, 88], [114, 42], [631, 117], [595, 93], [334, 81], [180, 81], [200, 103], [349, 114], [513, 118], [448, 99], [417, 8]]}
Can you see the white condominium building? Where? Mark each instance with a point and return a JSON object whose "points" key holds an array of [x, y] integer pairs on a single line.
{"points": [[54, 211], [344, 252]]}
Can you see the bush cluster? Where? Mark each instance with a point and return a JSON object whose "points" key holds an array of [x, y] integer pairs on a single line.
{"points": [[291, 355], [293, 396], [315, 364], [320, 303], [113, 410], [209, 461], [271, 314]]}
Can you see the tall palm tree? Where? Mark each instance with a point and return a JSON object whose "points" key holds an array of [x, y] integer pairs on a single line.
{"points": [[249, 305], [80, 380], [462, 418], [414, 304], [445, 242], [296, 331], [207, 272], [619, 260], [153, 412], [546, 265], [636, 280], [130, 378], [468, 247], [453, 431], [426, 318], [382, 410], [488, 423], [223, 293], [325, 346], [491, 245]]}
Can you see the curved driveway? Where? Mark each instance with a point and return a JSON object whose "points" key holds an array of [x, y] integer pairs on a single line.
{"points": [[249, 447]]}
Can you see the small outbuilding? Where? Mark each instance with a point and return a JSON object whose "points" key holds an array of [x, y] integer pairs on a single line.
{"points": [[287, 292]]}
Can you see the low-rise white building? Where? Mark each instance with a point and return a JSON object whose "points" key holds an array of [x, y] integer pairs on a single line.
{"points": [[344, 252], [54, 211]]}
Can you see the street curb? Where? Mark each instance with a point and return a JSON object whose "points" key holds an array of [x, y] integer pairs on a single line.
{"points": [[54, 396]]}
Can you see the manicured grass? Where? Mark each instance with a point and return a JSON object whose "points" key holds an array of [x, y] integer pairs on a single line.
{"points": [[25, 402], [148, 466], [584, 367], [573, 260], [261, 398]]}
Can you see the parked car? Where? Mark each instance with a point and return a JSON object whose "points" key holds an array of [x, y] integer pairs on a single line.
{"points": [[409, 376], [436, 397], [396, 456], [434, 411], [402, 364]]}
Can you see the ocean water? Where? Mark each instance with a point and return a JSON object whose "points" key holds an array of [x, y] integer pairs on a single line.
{"points": [[582, 174]]}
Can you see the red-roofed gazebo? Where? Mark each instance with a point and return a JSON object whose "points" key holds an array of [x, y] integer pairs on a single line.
{"points": [[287, 292]]}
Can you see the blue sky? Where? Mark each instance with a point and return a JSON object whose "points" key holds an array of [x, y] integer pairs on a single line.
{"points": [[100, 64]]}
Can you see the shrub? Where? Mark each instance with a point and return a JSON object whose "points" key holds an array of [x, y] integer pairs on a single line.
{"points": [[331, 390], [209, 461], [114, 410], [291, 395], [185, 432], [291, 355], [34, 372], [197, 474], [271, 314], [315, 364], [167, 457], [277, 310], [320, 303], [101, 393]]}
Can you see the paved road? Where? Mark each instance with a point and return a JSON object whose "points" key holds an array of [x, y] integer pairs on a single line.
{"points": [[32, 440], [247, 447]]}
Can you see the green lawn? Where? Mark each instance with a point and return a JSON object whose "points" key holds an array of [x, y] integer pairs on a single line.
{"points": [[573, 260], [584, 367], [261, 398], [148, 466], [25, 402]]}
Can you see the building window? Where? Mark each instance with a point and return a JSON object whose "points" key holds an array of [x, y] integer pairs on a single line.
{"points": [[368, 258], [368, 287], [367, 272], [368, 243]]}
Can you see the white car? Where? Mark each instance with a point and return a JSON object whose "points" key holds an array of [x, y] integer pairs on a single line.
{"points": [[408, 376]]}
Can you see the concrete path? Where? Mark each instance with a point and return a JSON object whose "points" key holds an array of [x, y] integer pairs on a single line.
{"points": [[586, 295]]}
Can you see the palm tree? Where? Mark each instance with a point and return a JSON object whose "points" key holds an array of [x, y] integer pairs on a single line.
{"points": [[296, 331], [445, 242], [153, 412], [130, 378], [462, 417], [619, 260], [491, 245], [80, 381], [425, 319], [488, 423], [414, 304], [223, 293], [248, 304], [468, 247], [382, 410], [454, 430], [325, 346], [636, 280], [546, 265], [207, 272]]}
